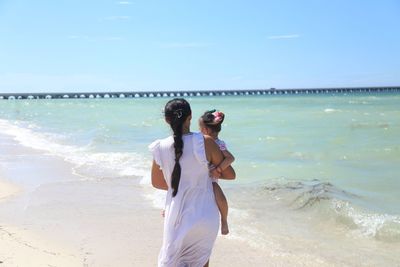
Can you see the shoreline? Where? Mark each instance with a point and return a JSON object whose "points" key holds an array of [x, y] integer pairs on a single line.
{"points": [[62, 219], [72, 221], [59, 218]]}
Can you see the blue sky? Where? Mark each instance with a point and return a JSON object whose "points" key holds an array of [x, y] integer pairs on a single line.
{"points": [[104, 45]]}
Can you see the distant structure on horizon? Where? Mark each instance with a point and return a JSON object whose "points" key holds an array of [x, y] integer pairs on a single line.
{"points": [[198, 93]]}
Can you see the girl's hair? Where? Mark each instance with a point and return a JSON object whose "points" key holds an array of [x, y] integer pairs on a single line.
{"points": [[213, 119], [176, 112]]}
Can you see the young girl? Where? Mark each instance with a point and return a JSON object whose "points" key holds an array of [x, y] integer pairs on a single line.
{"points": [[210, 124]]}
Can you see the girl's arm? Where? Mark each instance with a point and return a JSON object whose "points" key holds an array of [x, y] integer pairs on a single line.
{"points": [[215, 157], [228, 160], [157, 177]]}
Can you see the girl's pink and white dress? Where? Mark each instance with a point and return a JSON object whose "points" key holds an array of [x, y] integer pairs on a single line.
{"points": [[222, 146], [191, 217]]}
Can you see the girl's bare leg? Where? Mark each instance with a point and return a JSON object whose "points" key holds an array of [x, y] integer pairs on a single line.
{"points": [[207, 264], [222, 204]]}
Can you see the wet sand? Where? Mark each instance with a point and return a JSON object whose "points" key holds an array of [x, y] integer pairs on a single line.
{"points": [[7, 190]]}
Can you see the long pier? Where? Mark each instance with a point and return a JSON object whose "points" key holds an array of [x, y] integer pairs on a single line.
{"points": [[197, 93]]}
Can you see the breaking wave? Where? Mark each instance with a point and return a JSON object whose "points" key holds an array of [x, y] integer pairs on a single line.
{"points": [[334, 203], [87, 163]]}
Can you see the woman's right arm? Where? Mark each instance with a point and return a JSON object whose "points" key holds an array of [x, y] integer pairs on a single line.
{"points": [[157, 177], [215, 157]]}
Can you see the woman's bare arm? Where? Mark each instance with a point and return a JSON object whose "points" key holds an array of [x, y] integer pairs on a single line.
{"points": [[215, 157], [157, 177]]}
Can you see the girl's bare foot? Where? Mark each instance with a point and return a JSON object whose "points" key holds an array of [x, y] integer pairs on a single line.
{"points": [[224, 228]]}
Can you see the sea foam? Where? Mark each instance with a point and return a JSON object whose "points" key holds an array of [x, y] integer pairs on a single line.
{"points": [[87, 162]]}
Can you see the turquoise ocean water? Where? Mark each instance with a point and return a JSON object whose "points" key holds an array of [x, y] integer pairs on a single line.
{"points": [[330, 161]]}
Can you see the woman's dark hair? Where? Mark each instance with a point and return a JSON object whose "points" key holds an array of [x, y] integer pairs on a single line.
{"points": [[213, 119], [176, 112]]}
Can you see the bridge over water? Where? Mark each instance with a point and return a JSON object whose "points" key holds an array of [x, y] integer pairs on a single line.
{"points": [[198, 93]]}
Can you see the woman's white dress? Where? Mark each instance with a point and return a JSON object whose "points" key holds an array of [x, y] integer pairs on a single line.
{"points": [[191, 217]]}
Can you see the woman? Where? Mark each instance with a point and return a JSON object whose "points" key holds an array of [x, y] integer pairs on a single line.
{"points": [[180, 166]]}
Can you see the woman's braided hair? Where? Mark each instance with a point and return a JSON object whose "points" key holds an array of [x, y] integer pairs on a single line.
{"points": [[176, 112]]}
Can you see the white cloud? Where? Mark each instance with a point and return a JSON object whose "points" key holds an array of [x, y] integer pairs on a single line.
{"points": [[185, 45], [124, 3], [289, 36], [85, 37], [237, 78], [113, 38], [93, 38], [118, 18]]}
